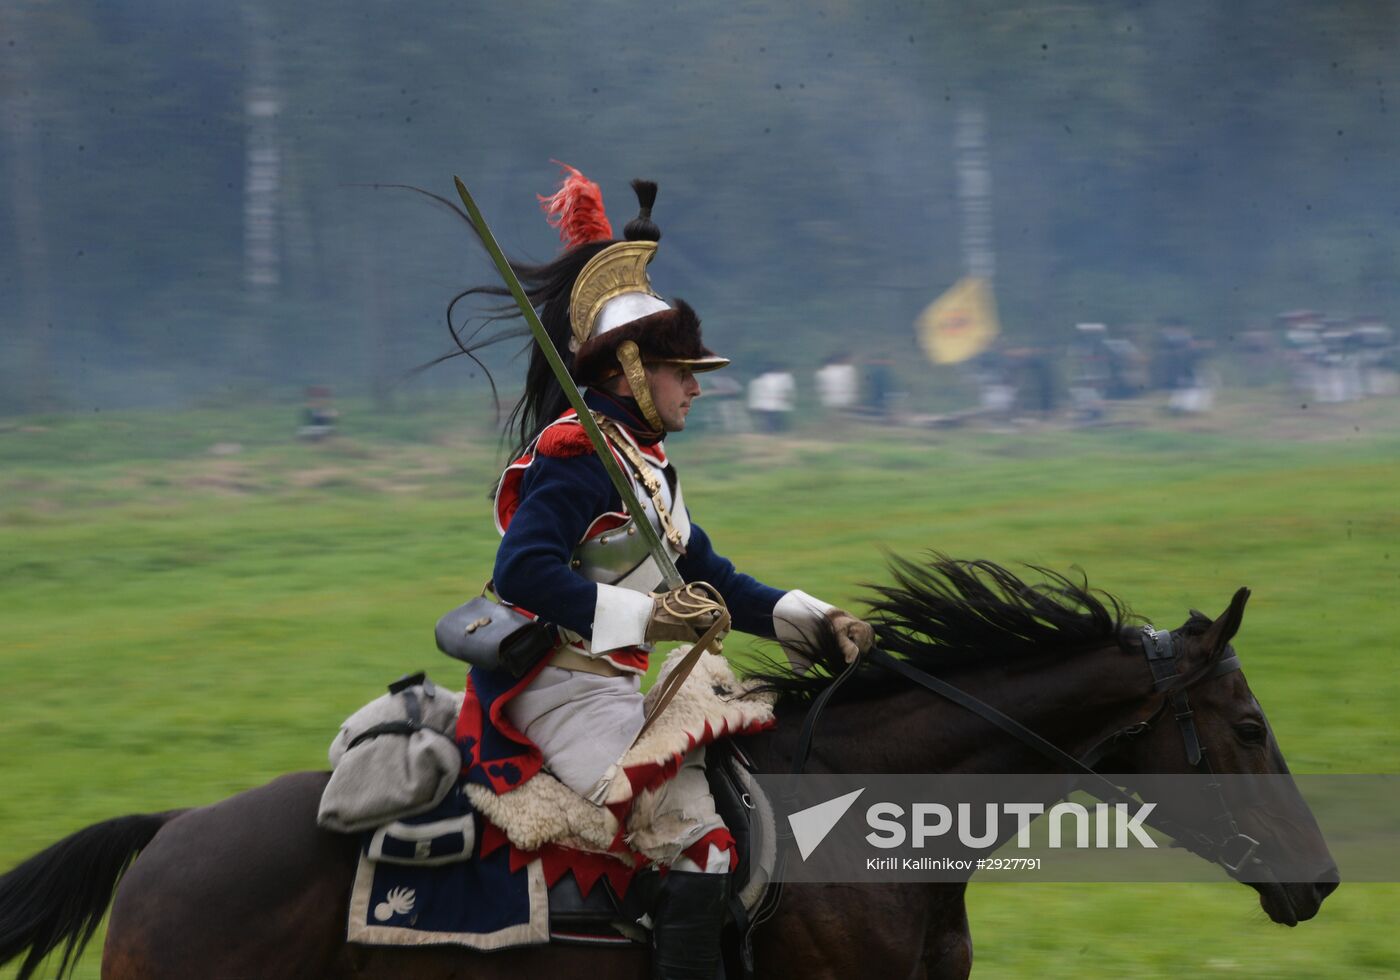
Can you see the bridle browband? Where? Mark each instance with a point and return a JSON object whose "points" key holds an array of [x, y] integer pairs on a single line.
{"points": [[1230, 848]]}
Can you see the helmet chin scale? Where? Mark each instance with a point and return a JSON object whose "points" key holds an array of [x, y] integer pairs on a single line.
{"points": [[630, 357]]}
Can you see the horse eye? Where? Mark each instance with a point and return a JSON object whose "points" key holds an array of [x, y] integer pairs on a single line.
{"points": [[1251, 732]]}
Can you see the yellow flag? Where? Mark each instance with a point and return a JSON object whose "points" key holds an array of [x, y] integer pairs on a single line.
{"points": [[959, 324]]}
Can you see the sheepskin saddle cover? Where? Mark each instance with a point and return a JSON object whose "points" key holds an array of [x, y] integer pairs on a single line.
{"points": [[711, 704]]}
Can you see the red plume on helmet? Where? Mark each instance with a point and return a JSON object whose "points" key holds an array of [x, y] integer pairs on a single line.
{"points": [[576, 209]]}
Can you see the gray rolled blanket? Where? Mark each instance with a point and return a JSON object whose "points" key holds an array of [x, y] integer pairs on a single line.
{"points": [[393, 758]]}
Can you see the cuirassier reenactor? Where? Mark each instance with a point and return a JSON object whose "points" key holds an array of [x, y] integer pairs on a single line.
{"points": [[570, 554]]}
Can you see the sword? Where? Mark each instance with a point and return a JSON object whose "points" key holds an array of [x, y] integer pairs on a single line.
{"points": [[620, 481]]}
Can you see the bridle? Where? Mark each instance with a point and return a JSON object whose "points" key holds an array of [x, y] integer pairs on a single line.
{"points": [[1227, 845]]}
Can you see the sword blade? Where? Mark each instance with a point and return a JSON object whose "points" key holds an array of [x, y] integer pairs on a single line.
{"points": [[621, 482]]}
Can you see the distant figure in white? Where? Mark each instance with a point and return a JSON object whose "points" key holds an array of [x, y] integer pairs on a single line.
{"points": [[838, 384], [771, 396]]}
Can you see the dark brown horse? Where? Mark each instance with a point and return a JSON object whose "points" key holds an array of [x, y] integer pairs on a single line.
{"points": [[250, 887]]}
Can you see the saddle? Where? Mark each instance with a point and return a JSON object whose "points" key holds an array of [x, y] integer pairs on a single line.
{"points": [[604, 918], [530, 867], [428, 879]]}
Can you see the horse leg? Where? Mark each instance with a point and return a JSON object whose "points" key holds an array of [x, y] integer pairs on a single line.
{"points": [[948, 940], [249, 887]]}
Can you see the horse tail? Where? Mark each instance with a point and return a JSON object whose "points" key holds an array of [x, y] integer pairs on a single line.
{"points": [[60, 894]]}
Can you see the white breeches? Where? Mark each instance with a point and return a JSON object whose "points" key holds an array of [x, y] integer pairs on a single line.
{"points": [[583, 723]]}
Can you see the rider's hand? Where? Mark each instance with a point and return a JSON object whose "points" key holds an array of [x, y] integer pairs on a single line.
{"points": [[675, 617], [854, 636]]}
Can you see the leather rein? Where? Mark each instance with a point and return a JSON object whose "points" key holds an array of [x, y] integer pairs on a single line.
{"points": [[1229, 847]]}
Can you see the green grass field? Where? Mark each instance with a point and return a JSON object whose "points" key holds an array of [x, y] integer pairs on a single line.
{"points": [[190, 604]]}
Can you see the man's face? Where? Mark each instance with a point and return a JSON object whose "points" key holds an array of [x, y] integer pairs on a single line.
{"points": [[673, 388]]}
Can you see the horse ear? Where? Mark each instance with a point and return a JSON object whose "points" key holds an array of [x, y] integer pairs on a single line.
{"points": [[1223, 630]]}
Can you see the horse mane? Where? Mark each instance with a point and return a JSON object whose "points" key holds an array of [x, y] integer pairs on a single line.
{"points": [[951, 613]]}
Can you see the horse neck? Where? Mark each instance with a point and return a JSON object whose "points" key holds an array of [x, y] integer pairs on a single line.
{"points": [[1074, 700]]}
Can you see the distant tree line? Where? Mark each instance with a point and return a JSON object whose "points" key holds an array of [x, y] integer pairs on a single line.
{"points": [[185, 209]]}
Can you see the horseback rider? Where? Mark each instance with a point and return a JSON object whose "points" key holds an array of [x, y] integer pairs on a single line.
{"points": [[570, 556]]}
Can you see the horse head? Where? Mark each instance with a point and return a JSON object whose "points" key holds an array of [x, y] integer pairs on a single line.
{"points": [[1204, 720], [1056, 667]]}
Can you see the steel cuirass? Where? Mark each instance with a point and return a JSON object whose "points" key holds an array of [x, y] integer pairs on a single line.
{"points": [[620, 556]]}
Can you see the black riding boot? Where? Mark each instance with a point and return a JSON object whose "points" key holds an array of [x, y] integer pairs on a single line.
{"points": [[685, 926]]}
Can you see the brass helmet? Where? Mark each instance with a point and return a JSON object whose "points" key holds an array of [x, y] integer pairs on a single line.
{"points": [[618, 323]]}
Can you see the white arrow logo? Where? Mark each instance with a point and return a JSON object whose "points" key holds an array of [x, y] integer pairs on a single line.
{"points": [[810, 826]]}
